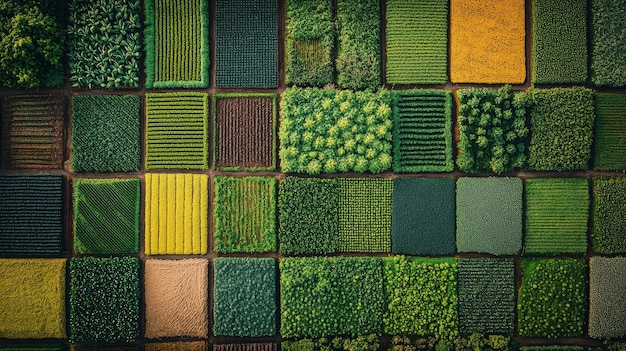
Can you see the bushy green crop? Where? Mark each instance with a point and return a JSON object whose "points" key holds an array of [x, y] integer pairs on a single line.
{"points": [[608, 43], [492, 126], [361, 343], [607, 316], [335, 131], [610, 132], [609, 215], [473, 342]]}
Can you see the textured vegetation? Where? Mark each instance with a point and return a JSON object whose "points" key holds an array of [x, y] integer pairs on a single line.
{"points": [[607, 316], [106, 139], [610, 136], [609, 216], [244, 297], [244, 212], [552, 348], [552, 300], [361, 343], [245, 347], [177, 346], [422, 131], [33, 347], [335, 131], [557, 211], [324, 296], [608, 43]]}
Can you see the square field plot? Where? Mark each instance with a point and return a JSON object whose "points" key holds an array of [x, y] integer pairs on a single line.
{"points": [[33, 132], [176, 293], [489, 215], [104, 299], [487, 41], [246, 47], [422, 219], [244, 297], [31, 215], [557, 211], [610, 132], [245, 214], [607, 293], [609, 216], [244, 132], [106, 216], [177, 130], [33, 298]]}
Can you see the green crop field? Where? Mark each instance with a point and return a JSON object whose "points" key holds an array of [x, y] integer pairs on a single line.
{"points": [[608, 67], [610, 132], [609, 215], [607, 278]]}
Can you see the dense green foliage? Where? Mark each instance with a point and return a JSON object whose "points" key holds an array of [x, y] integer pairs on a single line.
{"points": [[557, 211], [308, 215], [422, 219], [244, 214], [358, 49], [552, 348], [489, 215], [610, 132], [492, 126], [417, 41], [106, 216], [335, 131], [608, 43], [361, 343], [552, 300], [31, 44], [323, 296], [104, 46], [422, 131], [559, 35], [486, 295], [310, 41], [561, 129], [609, 216], [365, 214], [421, 296], [106, 139], [104, 299], [473, 342], [607, 316], [244, 297]]}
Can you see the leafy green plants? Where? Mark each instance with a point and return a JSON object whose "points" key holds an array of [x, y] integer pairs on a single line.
{"points": [[323, 296], [422, 219], [492, 130], [489, 215], [608, 67], [309, 42], [177, 130], [422, 131], [417, 41], [244, 212], [244, 296], [308, 215], [610, 136], [609, 215], [561, 129], [176, 37], [104, 299], [106, 216], [557, 211], [421, 296], [106, 139], [552, 300], [473, 342], [486, 288], [361, 343], [358, 36], [335, 131], [559, 48], [552, 348], [246, 48], [607, 317], [104, 46]]}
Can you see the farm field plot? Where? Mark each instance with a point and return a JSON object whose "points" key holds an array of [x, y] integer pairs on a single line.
{"points": [[609, 139], [245, 347], [608, 67], [607, 318], [177, 346], [609, 215]]}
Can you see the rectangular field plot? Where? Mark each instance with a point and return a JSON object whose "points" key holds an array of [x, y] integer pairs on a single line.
{"points": [[609, 215], [607, 279], [610, 132]]}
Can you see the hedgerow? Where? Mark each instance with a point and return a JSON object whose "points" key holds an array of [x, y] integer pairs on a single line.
{"points": [[335, 131], [552, 300], [244, 297], [422, 219], [309, 42], [609, 216], [324, 296], [104, 46], [104, 299], [559, 47], [358, 48], [607, 316], [308, 215], [106, 139], [608, 43], [489, 215], [561, 129], [360, 343], [421, 297], [492, 128], [610, 132]]}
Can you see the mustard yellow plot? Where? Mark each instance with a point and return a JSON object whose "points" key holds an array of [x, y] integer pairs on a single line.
{"points": [[176, 214], [32, 298], [487, 41]]}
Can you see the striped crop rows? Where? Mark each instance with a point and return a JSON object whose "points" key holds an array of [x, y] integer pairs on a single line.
{"points": [[610, 139]]}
